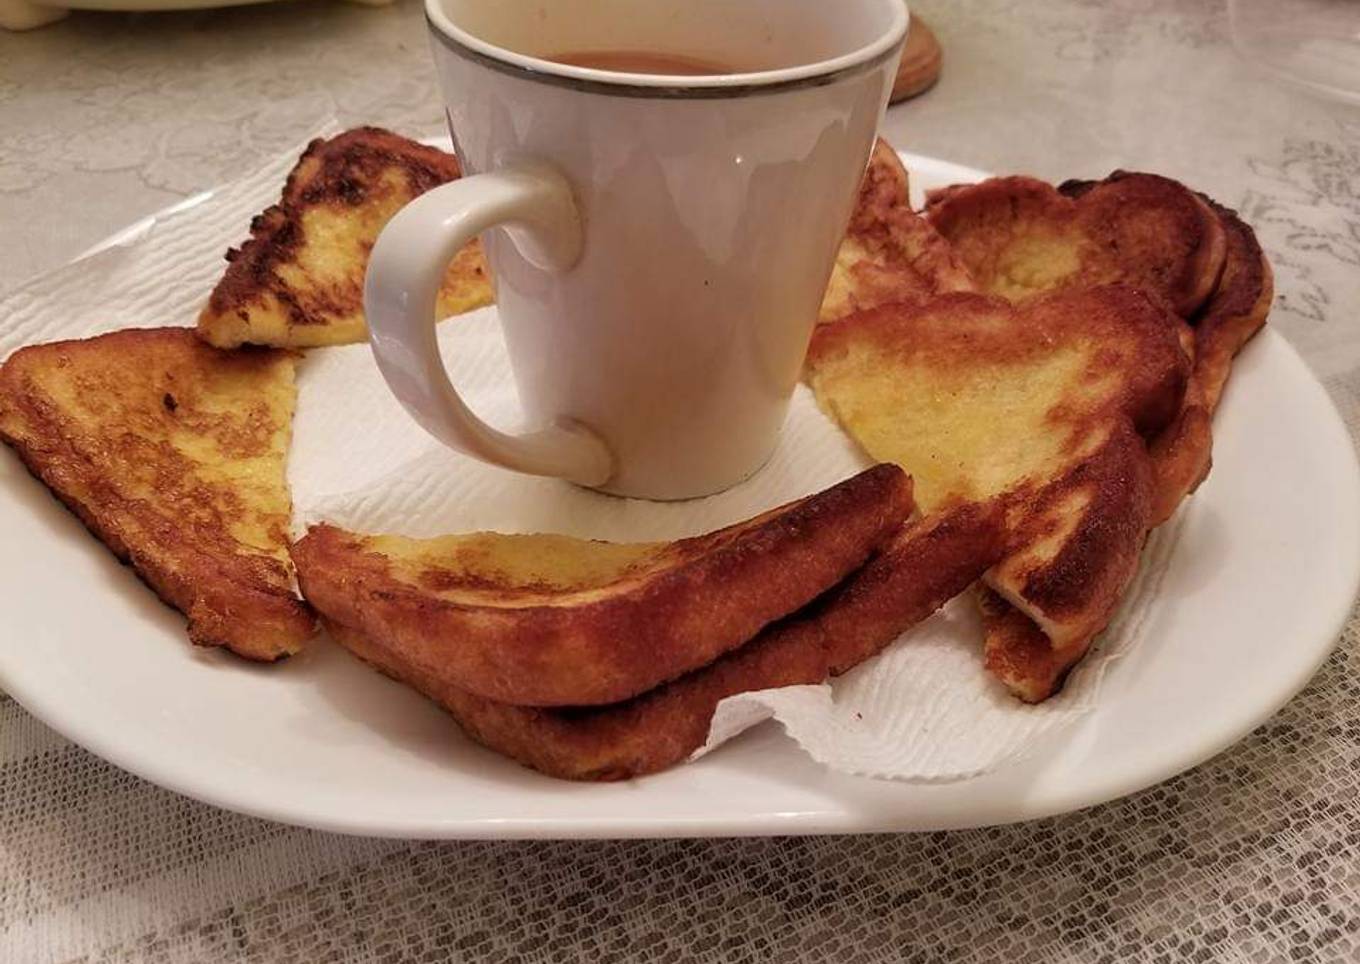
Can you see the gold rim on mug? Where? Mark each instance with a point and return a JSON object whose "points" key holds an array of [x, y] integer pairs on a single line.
{"points": [[663, 86]]}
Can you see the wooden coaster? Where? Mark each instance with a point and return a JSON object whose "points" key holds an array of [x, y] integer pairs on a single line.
{"points": [[921, 59]]}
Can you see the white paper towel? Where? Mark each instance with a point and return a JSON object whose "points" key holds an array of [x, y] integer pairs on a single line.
{"points": [[924, 710]]}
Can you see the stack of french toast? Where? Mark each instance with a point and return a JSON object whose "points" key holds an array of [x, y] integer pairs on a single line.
{"points": [[1033, 369]]}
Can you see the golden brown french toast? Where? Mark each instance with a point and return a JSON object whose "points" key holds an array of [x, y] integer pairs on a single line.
{"points": [[925, 565], [172, 452], [1239, 302], [1237, 310], [299, 281], [980, 397], [1020, 237], [1074, 547], [889, 252], [546, 620], [1044, 406], [1182, 453], [1017, 652]]}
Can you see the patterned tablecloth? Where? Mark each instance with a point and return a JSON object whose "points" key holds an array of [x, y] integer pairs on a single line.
{"points": [[1254, 856]]}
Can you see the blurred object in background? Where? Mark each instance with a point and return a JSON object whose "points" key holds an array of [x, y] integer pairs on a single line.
{"points": [[23, 15], [1315, 43], [921, 60], [28, 14]]}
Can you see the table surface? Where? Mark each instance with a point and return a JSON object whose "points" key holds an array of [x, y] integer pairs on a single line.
{"points": [[1254, 856]]}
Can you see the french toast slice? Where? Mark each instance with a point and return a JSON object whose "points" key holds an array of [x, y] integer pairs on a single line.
{"points": [[545, 620], [1074, 547], [923, 566], [1239, 303], [1234, 312], [1237, 310], [173, 454], [1020, 237], [889, 252], [977, 397], [298, 282], [1045, 407], [1182, 453]]}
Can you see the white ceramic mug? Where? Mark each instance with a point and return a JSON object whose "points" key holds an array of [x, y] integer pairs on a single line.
{"points": [[659, 244]]}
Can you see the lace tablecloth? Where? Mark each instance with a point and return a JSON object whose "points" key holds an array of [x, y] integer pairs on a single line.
{"points": [[1254, 856]]}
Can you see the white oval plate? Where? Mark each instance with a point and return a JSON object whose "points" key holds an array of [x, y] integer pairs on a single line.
{"points": [[1262, 580]]}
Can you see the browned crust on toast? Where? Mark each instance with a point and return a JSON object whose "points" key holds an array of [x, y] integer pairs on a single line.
{"points": [[1018, 654], [884, 188], [1238, 309], [649, 733], [926, 564], [1068, 598], [233, 596], [1018, 651], [332, 172], [1182, 454], [346, 174], [1126, 330], [1020, 235], [1022, 238], [1078, 519], [720, 591], [889, 252], [1148, 231], [1102, 508]]}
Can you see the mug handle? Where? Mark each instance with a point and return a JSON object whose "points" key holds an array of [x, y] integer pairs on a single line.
{"points": [[405, 271]]}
